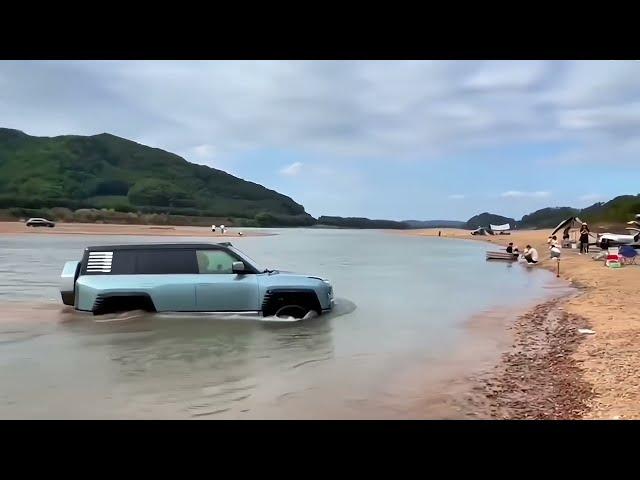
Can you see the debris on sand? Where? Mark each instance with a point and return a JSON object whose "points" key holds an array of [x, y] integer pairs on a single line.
{"points": [[586, 331], [538, 378]]}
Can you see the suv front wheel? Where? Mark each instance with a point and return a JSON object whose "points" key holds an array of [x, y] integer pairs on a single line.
{"points": [[296, 304]]}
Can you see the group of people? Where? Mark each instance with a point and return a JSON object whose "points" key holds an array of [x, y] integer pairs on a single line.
{"points": [[583, 240], [529, 253]]}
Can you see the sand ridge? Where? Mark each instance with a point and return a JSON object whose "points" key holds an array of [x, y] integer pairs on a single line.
{"points": [[19, 228]]}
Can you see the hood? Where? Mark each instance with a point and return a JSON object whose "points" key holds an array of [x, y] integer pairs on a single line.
{"points": [[284, 274]]}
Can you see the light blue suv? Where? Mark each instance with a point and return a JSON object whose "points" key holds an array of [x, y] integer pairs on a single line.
{"points": [[187, 277]]}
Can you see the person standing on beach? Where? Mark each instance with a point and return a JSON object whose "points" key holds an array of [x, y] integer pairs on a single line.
{"points": [[439, 233], [554, 247], [565, 237], [584, 239]]}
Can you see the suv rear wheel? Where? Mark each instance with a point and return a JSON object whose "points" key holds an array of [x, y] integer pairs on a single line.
{"points": [[122, 303]]}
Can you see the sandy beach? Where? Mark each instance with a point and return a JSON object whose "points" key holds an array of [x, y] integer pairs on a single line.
{"points": [[19, 228], [551, 370]]}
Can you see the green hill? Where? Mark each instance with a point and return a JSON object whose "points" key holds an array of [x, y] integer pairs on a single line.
{"points": [[547, 217], [615, 212], [360, 222], [434, 223], [486, 218], [618, 210], [105, 171]]}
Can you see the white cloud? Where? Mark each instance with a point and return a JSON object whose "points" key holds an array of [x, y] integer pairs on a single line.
{"points": [[498, 75], [204, 151], [388, 109], [456, 196], [292, 170], [591, 197], [518, 193]]}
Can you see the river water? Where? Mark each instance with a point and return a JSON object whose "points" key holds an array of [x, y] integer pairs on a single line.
{"points": [[403, 305]]}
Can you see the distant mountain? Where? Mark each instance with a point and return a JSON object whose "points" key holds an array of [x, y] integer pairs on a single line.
{"points": [[105, 171], [486, 218], [547, 217], [618, 210], [360, 222], [434, 223]]}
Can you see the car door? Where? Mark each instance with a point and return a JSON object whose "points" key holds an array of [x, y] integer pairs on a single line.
{"points": [[219, 289], [168, 275]]}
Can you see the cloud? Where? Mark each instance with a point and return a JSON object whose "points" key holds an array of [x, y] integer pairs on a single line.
{"points": [[292, 170], [416, 109], [456, 196], [591, 197], [204, 151], [518, 193]]}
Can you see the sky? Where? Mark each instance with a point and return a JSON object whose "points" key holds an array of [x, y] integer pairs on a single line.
{"points": [[380, 139]]}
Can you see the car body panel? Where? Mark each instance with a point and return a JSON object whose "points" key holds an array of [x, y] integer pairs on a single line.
{"points": [[168, 292], [227, 292], [294, 281]]}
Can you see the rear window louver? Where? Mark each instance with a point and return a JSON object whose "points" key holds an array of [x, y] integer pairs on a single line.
{"points": [[99, 262]]}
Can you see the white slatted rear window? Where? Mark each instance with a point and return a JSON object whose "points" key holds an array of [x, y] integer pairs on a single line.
{"points": [[99, 262]]}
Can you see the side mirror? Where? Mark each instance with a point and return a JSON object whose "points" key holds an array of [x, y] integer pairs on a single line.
{"points": [[238, 267]]}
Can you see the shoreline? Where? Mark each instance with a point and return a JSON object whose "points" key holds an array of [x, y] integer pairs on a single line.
{"points": [[551, 371], [19, 228], [482, 378]]}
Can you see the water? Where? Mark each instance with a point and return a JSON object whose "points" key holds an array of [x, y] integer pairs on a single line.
{"points": [[402, 304]]}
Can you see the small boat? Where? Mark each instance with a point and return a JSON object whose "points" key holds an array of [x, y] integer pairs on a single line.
{"points": [[502, 256]]}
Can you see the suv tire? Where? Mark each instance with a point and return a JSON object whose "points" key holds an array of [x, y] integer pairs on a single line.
{"points": [[296, 304]]}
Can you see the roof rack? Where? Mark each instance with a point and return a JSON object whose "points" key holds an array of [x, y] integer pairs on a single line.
{"points": [[154, 246]]}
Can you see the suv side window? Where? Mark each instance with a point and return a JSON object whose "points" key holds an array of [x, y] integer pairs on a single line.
{"points": [[124, 262], [165, 261], [215, 261]]}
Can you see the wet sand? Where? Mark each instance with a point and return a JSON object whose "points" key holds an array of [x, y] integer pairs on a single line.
{"points": [[551, 370], [15, 228], [486, 376]]}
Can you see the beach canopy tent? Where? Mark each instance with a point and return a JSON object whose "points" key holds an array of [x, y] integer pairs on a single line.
{"points": [[571, 223], [481, 231], [500, 228]]}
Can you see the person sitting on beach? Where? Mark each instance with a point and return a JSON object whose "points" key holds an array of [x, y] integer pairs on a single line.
{"points": [[511, 248], [530, 254]]}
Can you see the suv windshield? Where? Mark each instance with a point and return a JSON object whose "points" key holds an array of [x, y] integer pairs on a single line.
{"points": [[248, 259]]}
